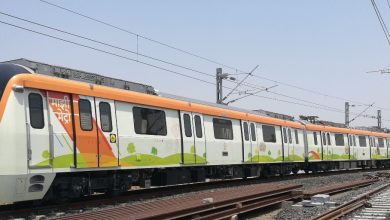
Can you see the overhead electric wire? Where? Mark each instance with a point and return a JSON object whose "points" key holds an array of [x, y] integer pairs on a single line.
{"points": [[361, 113], [104, 51], [163, 61], [381, 21], [192, 53], [103, 43], [151, 65], [138, 35]]}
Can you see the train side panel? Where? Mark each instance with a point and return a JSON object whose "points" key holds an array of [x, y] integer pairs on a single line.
{"points": [[224, 143], [20, 180], [148, 136]]}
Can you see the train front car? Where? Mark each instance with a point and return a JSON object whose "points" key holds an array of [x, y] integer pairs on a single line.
{"points": [[19, 181]]}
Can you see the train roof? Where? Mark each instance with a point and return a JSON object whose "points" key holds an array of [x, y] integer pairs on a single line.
{"points": [[48, 82], [82, 76]]}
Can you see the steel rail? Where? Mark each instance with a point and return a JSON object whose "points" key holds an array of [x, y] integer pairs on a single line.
{"points": [[350, 206]]}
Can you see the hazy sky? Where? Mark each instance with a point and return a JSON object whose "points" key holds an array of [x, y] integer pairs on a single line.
{"points": [[324, 46]]}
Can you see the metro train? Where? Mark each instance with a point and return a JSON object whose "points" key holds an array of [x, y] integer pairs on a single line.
{"points": [[63, 138]]}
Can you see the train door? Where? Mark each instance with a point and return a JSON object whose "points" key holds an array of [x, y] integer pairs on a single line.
{"points": [[247, 145], [286, 144], [108, 146], [200, 139], [61, 124], [352, 147], [388, 147], [37, 125], [326, 153], [188, 146], [87, 154], [371, 145], [254, 143]]}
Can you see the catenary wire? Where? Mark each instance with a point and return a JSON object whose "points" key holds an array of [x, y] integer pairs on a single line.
{"points": [[381, 21], [193, 54], [163, 61], [138, 35], [151, 65]]}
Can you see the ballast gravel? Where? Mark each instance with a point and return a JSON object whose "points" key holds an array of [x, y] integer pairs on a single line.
{"points": [[299, 212]]}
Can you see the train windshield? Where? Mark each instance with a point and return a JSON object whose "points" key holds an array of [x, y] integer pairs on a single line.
{"points": [[7, 71]]}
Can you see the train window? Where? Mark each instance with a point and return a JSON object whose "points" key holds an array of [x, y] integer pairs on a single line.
{"points": [[269, 134], [370, 141], [289, 136], [354, 140], [149, 121], [105, 116], [246, 131], [315, 138], [198, 126], [253, 132], [362, 141], [339, 139], [284, 135], [328, 139], [296, 137], [85, 114], [323, 139], [223, 129], [187, 125], [381, 142], [35, 105]]}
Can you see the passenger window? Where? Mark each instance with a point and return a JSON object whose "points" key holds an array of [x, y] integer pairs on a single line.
{"points": [[149, 121], [323, 139], [198, 126], [187, 125], [328, 139], [289, 136], [85, 114], [246, 131], [35, 105], [315, 138], [269, 134], [253, 132], [339, 139], [381, 142], [284, 135], [223, 129], [362, 141], [296, 137], [105, 116]]}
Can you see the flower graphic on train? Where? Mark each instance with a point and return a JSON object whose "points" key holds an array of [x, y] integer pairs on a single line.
{"points": [[154, 151], [263, 147], [131, 148], [46, 154]]}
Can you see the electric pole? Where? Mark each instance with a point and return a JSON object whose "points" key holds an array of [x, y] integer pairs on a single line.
{"points": [[379, 117], [347, 114], [219, 85], [221, 76]]}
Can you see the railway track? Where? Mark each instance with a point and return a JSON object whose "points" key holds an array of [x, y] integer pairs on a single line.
{"points": [[103, 201], [360, 202], [218, 204]]}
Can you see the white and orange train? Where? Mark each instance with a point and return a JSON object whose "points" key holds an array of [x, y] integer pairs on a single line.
{"points": [[73, 133]]}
